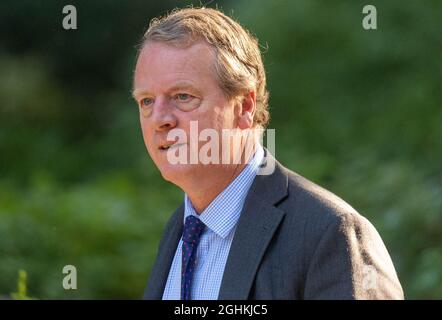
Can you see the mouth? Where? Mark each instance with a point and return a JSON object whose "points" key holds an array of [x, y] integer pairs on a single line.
{"points": [[168, 146]]}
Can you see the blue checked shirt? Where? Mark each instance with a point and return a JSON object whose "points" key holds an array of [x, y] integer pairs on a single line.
{"points": [[220, 218]]}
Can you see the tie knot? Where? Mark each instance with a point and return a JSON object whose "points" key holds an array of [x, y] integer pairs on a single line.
{"points": [[193, 228]]}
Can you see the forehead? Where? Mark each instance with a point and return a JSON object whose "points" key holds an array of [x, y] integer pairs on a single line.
{"points": [[161, 66]]}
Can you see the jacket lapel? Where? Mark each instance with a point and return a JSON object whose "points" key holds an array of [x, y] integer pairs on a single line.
{"points": [[166, 253], [256, 226]]}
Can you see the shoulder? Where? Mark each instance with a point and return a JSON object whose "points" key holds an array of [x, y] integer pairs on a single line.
{"points": [[315, 202], [315, 212], [337, 245]]}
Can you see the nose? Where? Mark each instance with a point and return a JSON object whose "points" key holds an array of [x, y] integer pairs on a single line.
{"points": [[163, 117]]}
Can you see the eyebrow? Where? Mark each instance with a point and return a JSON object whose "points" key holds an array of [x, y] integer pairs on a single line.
{"points": [[139, 92], [179, 85]]}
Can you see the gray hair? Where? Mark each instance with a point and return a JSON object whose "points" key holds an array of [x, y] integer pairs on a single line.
{"points": [[238, 67]]}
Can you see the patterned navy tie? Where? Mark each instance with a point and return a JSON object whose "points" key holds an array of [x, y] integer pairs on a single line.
{"points": [[193, 228]]}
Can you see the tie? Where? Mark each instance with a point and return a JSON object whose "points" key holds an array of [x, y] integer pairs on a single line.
{"points": [[193, 228]]}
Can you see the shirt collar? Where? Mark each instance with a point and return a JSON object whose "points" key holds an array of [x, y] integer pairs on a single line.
{"points": [[223, 212]]}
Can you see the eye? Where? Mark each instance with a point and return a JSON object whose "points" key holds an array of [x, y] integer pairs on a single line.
{"points": [[146, 102], [184, 97], [186, 102], [146, 106]]}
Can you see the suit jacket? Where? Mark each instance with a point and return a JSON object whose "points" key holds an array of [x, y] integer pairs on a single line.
{"points": [[294, 240]]}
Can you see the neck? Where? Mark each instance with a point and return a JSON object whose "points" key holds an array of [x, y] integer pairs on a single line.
{"points": [[203, 190], [202, 196]]}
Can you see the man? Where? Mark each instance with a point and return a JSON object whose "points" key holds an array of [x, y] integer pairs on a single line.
{"points": [[240, 233]]}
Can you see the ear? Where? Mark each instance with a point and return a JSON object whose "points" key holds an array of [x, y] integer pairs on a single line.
{"points": [[247, 110]]}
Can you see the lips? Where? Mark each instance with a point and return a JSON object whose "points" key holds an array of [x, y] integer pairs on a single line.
{"points": [[167, 146]]}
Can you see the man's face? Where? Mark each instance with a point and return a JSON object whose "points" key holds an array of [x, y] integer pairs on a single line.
{"points": [[174, 86]]}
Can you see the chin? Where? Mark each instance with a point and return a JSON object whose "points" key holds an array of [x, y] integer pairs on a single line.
{"points": [[175, 173]]}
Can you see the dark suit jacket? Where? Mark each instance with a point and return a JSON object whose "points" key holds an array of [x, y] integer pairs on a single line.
{"points": [[294, 240]]}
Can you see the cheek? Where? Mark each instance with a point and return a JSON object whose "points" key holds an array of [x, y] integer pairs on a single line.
{"points": [[223, 117], [145, 131], [210, 120], [143, 125]]}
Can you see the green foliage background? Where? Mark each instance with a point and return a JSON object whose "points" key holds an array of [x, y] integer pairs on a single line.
{"points": [[356, 111]]}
